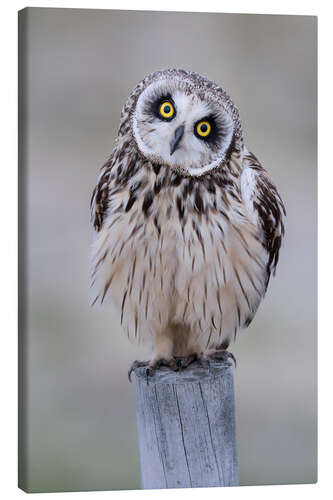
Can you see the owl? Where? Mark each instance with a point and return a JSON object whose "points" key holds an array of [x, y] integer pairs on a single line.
{"points": [[188, 226]]}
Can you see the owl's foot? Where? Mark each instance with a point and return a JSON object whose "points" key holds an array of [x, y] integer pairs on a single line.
{"points": [[223, 355], [178, 363], [204, 358], [184, 361], [134, 365], [152, 366]]}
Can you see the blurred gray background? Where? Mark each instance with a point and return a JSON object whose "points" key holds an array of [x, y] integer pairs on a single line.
{"points": [[80, 67]]}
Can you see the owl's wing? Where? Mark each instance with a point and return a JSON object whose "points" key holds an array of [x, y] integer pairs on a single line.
{"points": [[100, 196], [265, 206]]}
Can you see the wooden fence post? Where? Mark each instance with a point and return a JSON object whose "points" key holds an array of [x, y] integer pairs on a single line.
{"points": [[186, 427]]}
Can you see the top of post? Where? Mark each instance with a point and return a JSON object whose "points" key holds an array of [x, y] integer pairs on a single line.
{"points": [[192, 374]]}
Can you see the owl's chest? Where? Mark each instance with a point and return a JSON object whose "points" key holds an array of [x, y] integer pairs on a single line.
{"points": [[191, 232], [174, 243]]}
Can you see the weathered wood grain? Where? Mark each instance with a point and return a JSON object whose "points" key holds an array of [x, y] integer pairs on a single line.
{"points": [[186, 427]]}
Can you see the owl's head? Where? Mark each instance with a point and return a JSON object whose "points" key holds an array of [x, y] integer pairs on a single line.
{"points": [[182, 120]]}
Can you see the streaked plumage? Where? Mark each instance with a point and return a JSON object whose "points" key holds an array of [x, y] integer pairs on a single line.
{"points": [[185, 242]]}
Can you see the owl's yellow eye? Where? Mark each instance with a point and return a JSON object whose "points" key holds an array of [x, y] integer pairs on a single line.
{"points": [[167, 110], [203, 128]]}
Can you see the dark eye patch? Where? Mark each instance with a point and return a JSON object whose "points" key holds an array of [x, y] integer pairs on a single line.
{"points": [[214, 134], [152, 106], [217, 134]]}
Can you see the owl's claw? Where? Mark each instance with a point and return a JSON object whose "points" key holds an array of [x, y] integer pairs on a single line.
{"points": [[204, 359], [185, 361], [134, 365], [178, 363], [223, 354], [152, 366], [191, 358], [156, 364]]}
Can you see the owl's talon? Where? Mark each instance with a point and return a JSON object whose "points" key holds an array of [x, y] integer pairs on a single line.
{"points": [[151, 367], [223, 354], [173, 365], [134, 365], [184, 361], [170, 363], [179, 364]]}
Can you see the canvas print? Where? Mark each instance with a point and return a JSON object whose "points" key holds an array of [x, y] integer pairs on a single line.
{"points": [[167, 309]]}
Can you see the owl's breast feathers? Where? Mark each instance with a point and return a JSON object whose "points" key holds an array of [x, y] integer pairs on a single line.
{"points": [[199, 251]]}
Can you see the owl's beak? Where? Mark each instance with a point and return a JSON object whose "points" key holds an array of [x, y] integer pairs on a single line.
{"points": [[178, 135]]}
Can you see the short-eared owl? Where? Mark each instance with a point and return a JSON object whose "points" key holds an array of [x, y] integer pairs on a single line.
{"points": [[188, 225]]}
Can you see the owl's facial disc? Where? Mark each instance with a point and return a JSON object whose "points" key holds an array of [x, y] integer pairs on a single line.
{"points": [[175, 125]]}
